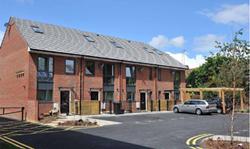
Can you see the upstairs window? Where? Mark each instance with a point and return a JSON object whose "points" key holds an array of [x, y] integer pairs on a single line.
{"points": [[70, 66], [41, 64], [108, 74], [159, 74], [150, 76], [37, 29], [130, 75], [90, 68], [45, 69], [115, 44]]}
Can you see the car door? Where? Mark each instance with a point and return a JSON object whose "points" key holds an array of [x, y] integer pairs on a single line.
{"points": [[192, 106], [185, 106]]}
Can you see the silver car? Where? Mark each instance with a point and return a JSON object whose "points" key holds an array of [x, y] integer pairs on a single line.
{"points": [[195, 106]]}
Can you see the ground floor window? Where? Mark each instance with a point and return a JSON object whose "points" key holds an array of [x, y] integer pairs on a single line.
{"points": [[130, 96], [45, 91], [44, 95], [108, 95], [94, 95], [167, 95]]}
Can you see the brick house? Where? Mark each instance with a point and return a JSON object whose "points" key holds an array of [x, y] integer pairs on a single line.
{"points": [[44, 66]]}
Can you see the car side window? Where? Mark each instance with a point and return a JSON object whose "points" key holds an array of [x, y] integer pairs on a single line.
{"points": [[193, 103], [187, 103]]}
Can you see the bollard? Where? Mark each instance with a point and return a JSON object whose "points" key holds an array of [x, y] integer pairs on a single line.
{"points": [[167, 105], [22, 113], [110, 107], [159, 105], [151, 105]]}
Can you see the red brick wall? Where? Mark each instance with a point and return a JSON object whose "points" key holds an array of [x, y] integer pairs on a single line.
{"points": [[14, 57]]}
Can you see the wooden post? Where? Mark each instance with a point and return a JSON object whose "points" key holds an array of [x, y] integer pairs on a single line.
{"points": [[201, 94], [241, 101], [223, 101], [219, 94], [181, 94]]}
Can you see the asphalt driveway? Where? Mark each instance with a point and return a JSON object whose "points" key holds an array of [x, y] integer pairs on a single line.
{"points": [[166, 130]]}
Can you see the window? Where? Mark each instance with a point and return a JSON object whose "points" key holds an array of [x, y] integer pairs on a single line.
{"points": [[177, 80], [90, 68], [44, 95], [69, 66], [36, 29], [45, 69], [150, 77], [115, 44], [94, 95], [130, 75], [167, 96], [108, 74], [159, 74], [108, 95], [41, 64], [45, 78], [130, 96], [187, 103], [88, 38]]}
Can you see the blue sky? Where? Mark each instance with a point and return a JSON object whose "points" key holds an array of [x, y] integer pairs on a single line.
{"points": [[176, 26]]}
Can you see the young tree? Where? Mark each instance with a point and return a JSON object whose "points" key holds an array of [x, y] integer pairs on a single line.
{"points": [[234, 73]]}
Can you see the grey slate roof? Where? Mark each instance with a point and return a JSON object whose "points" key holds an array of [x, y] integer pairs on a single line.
{"points": [[72, 41]]}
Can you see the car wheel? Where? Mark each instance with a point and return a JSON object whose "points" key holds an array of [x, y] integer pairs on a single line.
{"points": [[198, 111], [219, 111], [176, 110]]}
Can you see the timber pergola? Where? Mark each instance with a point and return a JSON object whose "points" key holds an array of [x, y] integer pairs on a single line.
{"points": [[221, 92]]}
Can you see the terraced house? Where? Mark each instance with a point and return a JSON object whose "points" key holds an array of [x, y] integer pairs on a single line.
{"points": [[46, 67]]}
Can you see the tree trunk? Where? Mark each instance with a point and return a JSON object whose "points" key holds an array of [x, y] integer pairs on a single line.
{"points": [[232, 115]]}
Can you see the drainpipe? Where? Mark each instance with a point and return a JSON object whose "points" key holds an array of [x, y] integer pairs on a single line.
{"points": [[120, 81], [81, 85]]}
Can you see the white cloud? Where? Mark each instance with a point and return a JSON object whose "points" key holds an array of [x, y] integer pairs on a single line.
{"points": [[1, 36], [207, 42], [161, 41], [194, 62], [230, 14]]}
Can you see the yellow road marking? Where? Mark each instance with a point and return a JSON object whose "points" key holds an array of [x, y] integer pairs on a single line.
{"points": [[69, 128], [198, 138], [11, 143], [188, 141], [19, 143]]}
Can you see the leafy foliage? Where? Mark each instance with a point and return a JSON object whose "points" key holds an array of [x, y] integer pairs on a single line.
{"points": [[220, 69]]}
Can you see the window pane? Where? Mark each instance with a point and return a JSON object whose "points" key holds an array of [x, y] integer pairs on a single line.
{"points": [[167, 96], [70, 66], [50, 64], [130, 75], [90, 68], [150, 74], [108, 96], [130, 96], [159, 74], [41, 64], [44, 95], [94, 95], [108, 70]]}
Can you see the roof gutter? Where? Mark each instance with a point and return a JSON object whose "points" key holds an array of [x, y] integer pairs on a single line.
{"points": [[103, 59]]}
